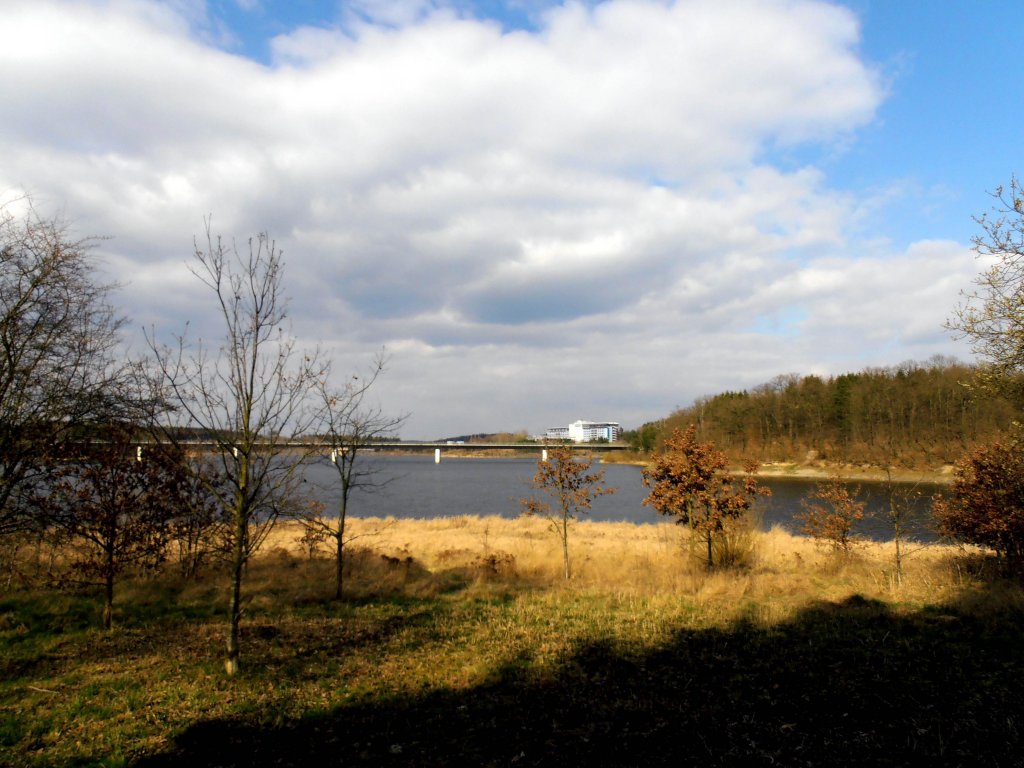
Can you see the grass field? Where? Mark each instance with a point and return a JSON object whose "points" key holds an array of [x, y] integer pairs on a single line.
{"points": [[459, 644]]}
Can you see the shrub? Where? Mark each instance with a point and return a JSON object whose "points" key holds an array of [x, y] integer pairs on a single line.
{"points": [[985, 505], [829, 513]]}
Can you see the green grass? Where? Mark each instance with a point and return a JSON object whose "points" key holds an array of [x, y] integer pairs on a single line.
{"points": [[502, 673]]}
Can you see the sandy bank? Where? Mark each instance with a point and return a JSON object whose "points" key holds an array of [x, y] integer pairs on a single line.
{"points": [[943, 475], [820, 471]]}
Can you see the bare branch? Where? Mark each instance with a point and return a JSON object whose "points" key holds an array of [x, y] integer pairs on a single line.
{"points": [[249, 397], [59, 367], [349, 424]]}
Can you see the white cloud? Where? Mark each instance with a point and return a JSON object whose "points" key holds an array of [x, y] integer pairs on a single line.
{"points": [[582, 221]]}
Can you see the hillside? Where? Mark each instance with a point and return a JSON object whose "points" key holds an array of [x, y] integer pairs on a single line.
{"points": [[915, 415]]}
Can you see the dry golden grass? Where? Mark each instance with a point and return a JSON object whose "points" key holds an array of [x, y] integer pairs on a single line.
{"points": [[780, 572]]}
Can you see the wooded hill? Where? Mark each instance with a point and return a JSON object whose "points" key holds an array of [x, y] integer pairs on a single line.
{"points": [[914, 415]]}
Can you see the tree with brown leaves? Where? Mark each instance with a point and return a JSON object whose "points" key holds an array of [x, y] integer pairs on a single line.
{"points": [[570, 482], [689, 482], [117, 510], [830, 512], [985, 505]]}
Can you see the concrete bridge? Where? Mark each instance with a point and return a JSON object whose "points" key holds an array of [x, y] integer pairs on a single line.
{"points": [[426, 445], [419, 446], [439, 446]]}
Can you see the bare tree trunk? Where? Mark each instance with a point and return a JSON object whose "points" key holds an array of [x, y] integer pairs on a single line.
{"points": [[108, 592], [235, 608], [899, 561], [565, 548], [339, 562], [346, 487]]}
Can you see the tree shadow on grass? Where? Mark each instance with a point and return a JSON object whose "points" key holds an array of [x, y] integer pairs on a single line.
{"points": [[842, 684]]}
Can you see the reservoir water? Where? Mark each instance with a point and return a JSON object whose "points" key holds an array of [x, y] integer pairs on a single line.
{"points": [[415, 487]]}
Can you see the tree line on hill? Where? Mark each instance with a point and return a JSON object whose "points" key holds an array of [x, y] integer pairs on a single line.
{"points": [[914, 415]]}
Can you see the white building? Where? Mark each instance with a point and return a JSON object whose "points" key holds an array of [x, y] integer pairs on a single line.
{"points": [[586, 431], [557, 433]]}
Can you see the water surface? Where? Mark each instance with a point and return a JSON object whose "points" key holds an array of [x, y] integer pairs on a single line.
{"points": [[415, 487]]}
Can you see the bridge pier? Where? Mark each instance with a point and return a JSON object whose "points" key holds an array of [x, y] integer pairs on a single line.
{"points": [[437, 455]]}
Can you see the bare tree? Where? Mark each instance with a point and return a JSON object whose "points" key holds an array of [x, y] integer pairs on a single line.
{"points": [[243, 397], [569, 481], [200, 529], [991, 316], [58, 368], [349, 425], [903, 500]]}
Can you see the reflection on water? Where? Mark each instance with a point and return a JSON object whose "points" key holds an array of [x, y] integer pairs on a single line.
{"points": [[415, 487]]}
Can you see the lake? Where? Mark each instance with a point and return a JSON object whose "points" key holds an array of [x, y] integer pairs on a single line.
{"points": [[416, 487]]}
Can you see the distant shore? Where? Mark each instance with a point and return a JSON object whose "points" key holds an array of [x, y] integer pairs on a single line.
{"points": [[816, 471], [821, 470], [942, 475]]}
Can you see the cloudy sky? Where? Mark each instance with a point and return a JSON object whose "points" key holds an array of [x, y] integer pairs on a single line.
{"points": [[544, 210]]}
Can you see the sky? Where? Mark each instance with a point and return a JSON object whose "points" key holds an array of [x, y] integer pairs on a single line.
{"points": [[543, 211]]}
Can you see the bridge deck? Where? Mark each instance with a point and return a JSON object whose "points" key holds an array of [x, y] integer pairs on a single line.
{"points": [[426, 445]]}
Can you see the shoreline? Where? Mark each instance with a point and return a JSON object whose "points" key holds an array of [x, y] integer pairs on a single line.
{"points": [[942, 476], [851, 472]]}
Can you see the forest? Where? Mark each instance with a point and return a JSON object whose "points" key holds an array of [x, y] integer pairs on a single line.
{"points": [[914, 415]]}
